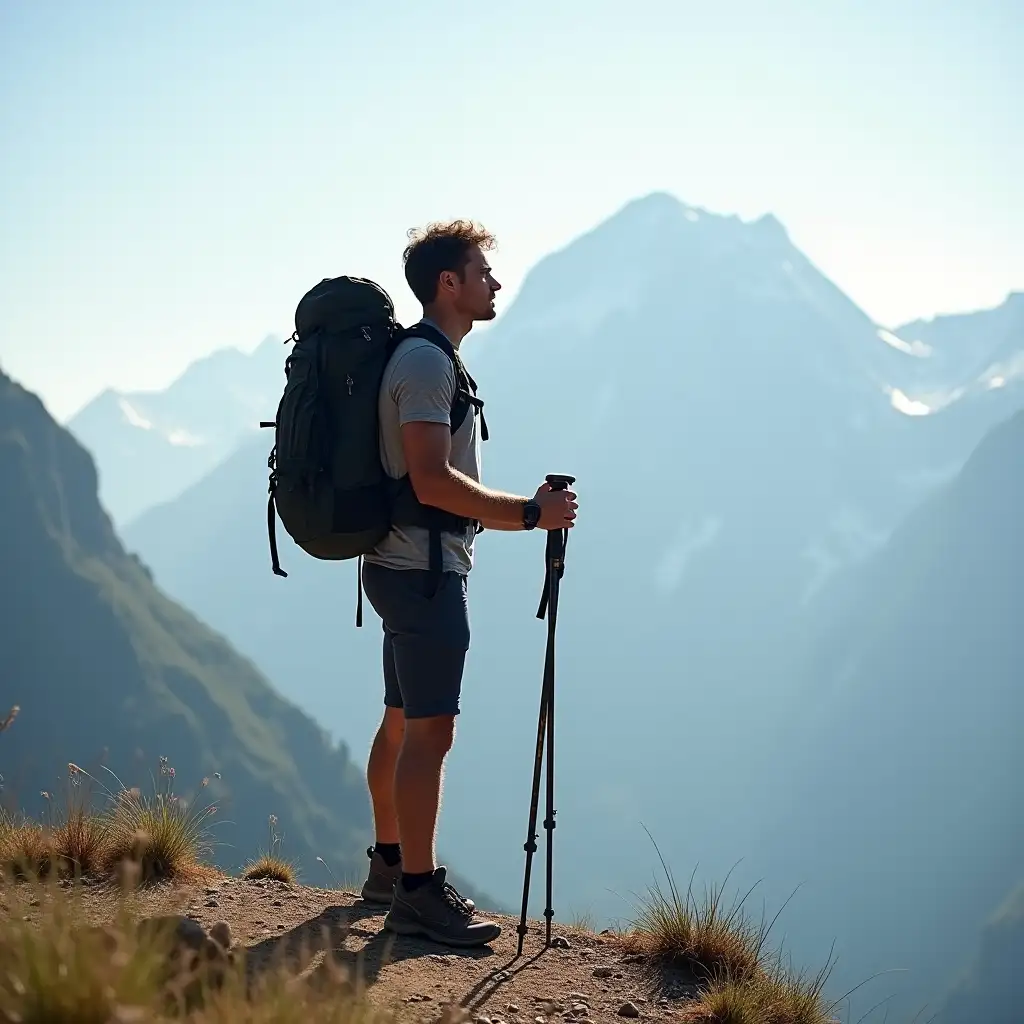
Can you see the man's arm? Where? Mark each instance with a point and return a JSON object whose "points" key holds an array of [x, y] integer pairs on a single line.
{"points": [[427, 448]]}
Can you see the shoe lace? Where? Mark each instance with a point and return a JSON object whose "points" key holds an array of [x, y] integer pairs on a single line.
{"points": [[451, 894]]}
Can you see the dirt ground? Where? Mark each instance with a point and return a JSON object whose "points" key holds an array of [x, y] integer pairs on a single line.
{"points": [[582, 977]]}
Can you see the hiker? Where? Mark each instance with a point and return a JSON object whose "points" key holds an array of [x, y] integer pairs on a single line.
{"points": [[416, 578]]}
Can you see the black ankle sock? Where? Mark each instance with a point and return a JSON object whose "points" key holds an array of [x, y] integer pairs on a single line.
{"points": [[412, 882], [390, 852]]}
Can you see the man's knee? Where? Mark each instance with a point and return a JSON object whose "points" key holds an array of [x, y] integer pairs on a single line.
{"points": [[433, 735]]}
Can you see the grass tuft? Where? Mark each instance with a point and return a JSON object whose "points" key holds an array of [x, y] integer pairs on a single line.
{"points": [[268, 866], [272, 864], [704, 936], [726, 952], [164, 836]]}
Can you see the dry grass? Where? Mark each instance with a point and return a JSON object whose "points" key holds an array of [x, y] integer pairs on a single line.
{"points": [[267, 866], [726, 952], [704, 937], [773, 997], [163, 836], [58, 972], [271, 864]]}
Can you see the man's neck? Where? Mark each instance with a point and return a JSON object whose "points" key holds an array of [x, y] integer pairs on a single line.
{"points": [[455, 327]]}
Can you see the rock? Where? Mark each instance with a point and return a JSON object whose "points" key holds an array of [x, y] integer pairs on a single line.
{"points": [[603, 972], [211, 903], [511, 1008], [580, 1008], [221, 934], [628, 1010]]}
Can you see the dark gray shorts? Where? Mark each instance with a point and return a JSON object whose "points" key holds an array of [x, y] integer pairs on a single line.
{"points": [[425, 639]]}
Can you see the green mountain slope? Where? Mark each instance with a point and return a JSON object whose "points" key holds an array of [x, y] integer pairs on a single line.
{"points": [[107, 670]]}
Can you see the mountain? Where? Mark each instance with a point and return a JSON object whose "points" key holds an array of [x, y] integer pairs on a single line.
{"points": [[899, 778], [724, 407], [959, 348], [992, 988], [964, 374], [106, 669], [151, 445]]}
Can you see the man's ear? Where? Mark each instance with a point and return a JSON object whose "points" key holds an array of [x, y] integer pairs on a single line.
{"points": [[447, 280]]}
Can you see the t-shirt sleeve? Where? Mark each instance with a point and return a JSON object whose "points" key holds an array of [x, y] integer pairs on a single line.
{"points": [[423, 385]]}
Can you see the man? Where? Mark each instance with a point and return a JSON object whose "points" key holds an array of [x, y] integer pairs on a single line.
{"points": [[425, 617]]}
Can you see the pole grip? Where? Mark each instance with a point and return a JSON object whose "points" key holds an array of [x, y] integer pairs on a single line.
{"points": [[560, 481]]}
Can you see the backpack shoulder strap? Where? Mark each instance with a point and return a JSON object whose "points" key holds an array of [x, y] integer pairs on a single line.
{"points": [[465, 391]]}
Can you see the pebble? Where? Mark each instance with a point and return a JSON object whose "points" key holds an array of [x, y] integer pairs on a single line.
{"points": [[511, 1008], [212, 903], [603, 972], [628, 1010]]}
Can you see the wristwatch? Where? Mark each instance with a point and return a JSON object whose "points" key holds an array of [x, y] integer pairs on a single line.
{"points": [[531, 514]]}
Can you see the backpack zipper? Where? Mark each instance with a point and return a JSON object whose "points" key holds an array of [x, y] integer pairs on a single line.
{"points": [[349, 381]]}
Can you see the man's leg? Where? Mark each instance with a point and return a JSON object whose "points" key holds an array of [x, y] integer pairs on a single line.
{"points": [[418, 791], [380, 775], [386, 854]]}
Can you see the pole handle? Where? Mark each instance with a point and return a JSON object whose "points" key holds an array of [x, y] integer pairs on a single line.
{"points": [[560, 481]]}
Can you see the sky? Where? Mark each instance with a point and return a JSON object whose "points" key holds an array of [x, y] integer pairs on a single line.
{"points": [[175, 175]]}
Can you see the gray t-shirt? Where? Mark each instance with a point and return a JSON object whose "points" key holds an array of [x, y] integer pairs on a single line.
{"points": [[419, 385]]}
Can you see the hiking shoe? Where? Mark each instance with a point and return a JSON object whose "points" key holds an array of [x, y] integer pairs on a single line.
{"points": [[437, 911], [379, 886]]}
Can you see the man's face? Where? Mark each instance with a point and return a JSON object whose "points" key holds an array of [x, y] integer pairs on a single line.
{"points": [[474, 295]]}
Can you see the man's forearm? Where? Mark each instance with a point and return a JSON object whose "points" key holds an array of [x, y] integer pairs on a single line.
{"points": [[462, 496]]}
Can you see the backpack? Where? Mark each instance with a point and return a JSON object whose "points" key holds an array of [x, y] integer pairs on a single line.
{"points": [[327, 483]]}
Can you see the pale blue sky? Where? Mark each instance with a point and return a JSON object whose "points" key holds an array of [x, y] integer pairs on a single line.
{"points": [[174, 175]]}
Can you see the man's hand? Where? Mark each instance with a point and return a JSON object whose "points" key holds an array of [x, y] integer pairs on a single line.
{"points": [[557, 508]]}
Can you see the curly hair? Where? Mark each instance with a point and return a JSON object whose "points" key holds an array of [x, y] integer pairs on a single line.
{"points": [[439, 247]]}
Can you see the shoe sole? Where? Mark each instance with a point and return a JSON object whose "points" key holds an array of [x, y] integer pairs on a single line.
{"points": [[416, 929]]}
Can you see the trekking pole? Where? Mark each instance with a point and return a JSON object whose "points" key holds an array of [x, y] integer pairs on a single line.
{"points": [[554, 560]]}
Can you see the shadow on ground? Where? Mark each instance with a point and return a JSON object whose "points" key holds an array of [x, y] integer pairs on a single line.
{"points": [[336, 950]]}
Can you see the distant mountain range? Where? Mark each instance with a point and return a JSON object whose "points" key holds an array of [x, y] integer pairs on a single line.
{"points": [[154, 444], [749, 448]]}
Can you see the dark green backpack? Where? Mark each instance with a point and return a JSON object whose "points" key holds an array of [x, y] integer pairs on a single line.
{"points": [[327, 482]]}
